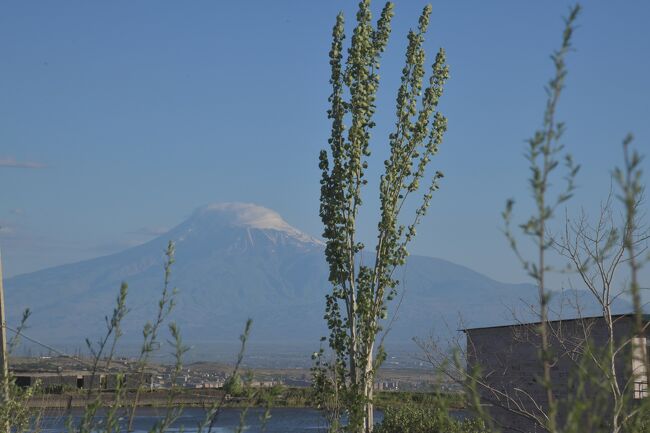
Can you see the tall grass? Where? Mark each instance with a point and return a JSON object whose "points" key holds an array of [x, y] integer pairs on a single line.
{"points": [[106, 413]]}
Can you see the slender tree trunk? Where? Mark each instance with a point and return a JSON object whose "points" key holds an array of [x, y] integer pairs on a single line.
{"points": [[3, 351], [543, 302], [352, 311], [369, 382]]}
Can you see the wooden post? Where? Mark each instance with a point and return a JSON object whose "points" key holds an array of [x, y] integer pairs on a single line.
{"points": [[4, 363]]}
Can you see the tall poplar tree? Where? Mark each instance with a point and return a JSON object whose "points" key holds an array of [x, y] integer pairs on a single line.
{"points": [[360, 291]]}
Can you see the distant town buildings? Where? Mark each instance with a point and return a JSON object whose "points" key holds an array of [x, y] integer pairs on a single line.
{"points": [[387, 385], [62, 374]]}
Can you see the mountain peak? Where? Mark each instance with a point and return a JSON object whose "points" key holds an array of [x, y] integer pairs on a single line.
{"points": [[243, 215], [247, 216]]}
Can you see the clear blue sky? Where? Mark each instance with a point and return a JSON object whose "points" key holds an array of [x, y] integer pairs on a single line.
{"points": [[125, 116]]}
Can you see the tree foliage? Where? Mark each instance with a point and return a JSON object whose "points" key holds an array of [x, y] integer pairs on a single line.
{"points": [[234, 385], [361, 287]]}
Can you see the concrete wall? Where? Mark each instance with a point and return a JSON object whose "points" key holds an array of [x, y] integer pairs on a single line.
{"points": [[130, 381], [48, 382], [509, 361], [66, 381]]}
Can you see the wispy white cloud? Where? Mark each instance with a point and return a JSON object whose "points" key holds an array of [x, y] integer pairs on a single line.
{"points": [[131, 239], [13, 163], [17, 211], [6, 230], [114, 246], [10, 229], [149, 231]]}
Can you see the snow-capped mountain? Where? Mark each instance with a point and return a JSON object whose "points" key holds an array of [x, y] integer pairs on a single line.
{"points": [[235, 261]]}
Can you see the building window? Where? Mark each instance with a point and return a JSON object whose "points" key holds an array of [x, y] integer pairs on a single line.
{"points": [[639, 363]]}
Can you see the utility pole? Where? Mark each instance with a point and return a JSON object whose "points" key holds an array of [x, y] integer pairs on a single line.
{"points": [[4, 364]]}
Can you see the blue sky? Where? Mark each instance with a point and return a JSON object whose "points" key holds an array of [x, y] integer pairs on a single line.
{"points": [[119, 118]]}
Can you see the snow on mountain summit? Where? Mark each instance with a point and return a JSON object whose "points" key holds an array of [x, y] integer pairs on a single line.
{"points": [[245, 215], [248, 216]]}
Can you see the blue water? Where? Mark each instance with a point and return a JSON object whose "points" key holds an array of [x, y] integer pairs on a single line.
{"points": [[283, 420]]}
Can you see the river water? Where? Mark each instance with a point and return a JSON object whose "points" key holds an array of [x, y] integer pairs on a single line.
{"points": [[283, 420]]}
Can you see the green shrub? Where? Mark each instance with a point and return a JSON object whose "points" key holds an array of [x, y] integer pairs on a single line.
{"points": [[234, 385], [417, 419]]}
